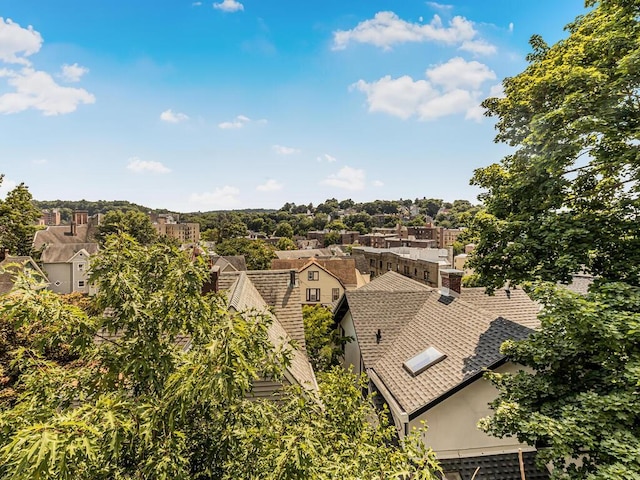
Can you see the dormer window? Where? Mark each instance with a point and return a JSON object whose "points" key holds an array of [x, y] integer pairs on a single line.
{"points": [[313, 275]]}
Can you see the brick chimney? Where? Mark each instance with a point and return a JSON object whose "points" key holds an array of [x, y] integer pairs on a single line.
{"points": [[451, 282], [212, 284]]}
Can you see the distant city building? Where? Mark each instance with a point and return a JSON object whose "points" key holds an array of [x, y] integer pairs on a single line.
{"points": [[50, 217], [166, 224]]}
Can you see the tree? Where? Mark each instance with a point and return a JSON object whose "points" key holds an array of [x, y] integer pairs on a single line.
{"points": [[132, 222], [285, 243], [18, 218], [284, 229], [566, 199], [581, 403], [332, 238], [324, 342], [257, 253], [137, 405]]}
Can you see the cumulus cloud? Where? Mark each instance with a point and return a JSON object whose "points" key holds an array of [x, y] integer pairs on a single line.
{"points": [[225, 197], [171, 117], [511, 27], [458, 73], [16, 42], [38, 90], [29, 88], [269, 186], [229, 6], [386, 29], [496, 91], [325, 157], [73, 73], [347, 178], [282, 150], [377, 183], [239, 122], [451, 88], [478, 47], [146, 166], [196, 4]]}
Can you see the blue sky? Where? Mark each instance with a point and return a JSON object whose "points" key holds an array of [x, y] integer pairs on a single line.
{"points": [[253, 103]]}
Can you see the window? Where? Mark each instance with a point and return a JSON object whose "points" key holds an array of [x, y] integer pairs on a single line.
{"points": [[81, 266], [335, 294], [426, 275], [423, 360], [80, 283], [388, 266], [313, 275], [380, 263], [313, 294], [372, 262], [405, 269]]}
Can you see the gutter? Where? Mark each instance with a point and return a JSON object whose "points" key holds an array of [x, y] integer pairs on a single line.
{"points": [[395, 408]]}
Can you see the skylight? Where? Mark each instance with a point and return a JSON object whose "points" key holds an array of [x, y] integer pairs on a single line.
{"points": [[418, 364]]}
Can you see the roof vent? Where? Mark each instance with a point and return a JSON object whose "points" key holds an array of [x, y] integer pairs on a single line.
{"points": [[419, 363]]}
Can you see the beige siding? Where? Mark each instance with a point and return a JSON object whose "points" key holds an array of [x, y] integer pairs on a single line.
{"points": [[59, 275], [269, 389], [325, 283], [452, 425]]}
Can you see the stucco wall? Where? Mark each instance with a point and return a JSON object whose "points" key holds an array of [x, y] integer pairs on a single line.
{"points": [[452, 425]]}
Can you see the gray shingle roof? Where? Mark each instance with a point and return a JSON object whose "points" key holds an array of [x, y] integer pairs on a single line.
{"points": [[412, 317], [61, 253]]}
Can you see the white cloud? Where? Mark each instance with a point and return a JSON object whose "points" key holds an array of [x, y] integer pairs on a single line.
{"points": [[143, 166], [511, 27], [282, 150], [73, 73], [326, 157], [400, 97], [269, 186], [171, 117], [347, 178], [196, 4], [239, 122], [17, 42], [229, 6], [497, 91], [37, 89], [377, 183], [387, 29], [6, 186], [458, 73], [225, 197], [478, 47], [440, 6], [451, 88], [475, 113]]}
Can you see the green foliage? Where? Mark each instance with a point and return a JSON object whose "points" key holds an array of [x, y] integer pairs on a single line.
{"points": [[135, 404], [257, 254], [581, 403], [332, 238], [132, 222], [284, 229], [286, 244], [18, 218], [324, 342], [66, 207], [567, 198]]}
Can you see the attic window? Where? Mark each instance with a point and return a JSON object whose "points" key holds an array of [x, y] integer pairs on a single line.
{"points": [[418, 364]]}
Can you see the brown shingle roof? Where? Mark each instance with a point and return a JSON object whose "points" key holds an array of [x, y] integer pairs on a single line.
{"points": [[412, 317], [60, 235], [513, 304], [344, 268], [63, 253], [244, 296]]}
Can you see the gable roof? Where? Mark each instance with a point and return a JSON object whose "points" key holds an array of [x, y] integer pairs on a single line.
{"points": [[63, 253], [277, 292], [412, 317], [59, 234], [243, 296], [343, 268]]}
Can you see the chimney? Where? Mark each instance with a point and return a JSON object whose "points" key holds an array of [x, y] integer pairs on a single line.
{"points": [[292, 278], [212, 285], [451, 282]]}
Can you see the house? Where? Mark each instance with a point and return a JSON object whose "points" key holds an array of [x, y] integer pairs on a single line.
{"points": [[66, 251], [10, 266], [319, 285], [342, 267], [276, 293], [425, 350]]}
